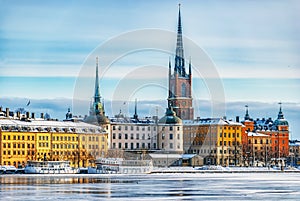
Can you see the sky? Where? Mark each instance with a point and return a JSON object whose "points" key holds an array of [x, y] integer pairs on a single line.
{"points": [[250, 49]]}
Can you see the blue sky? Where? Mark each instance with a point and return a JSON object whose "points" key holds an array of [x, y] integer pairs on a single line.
{"points": [[254, 46]]}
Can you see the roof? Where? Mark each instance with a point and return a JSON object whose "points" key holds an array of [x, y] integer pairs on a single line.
{"points": [[165, 155], [211, 121], [250, 134], [297, 144], [170, 117], [49, 125]]}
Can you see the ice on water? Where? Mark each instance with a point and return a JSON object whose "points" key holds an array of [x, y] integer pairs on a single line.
{"points": [[207, 186]]}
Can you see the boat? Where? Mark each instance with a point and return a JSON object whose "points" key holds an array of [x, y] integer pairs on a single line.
{"points": [[49, 167], [121, 166], [8, 169]]}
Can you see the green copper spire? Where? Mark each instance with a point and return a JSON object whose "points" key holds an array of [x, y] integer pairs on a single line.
{"points": [[97, 96]]}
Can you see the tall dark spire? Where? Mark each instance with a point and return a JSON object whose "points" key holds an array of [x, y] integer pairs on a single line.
{"points": [[280, 114], [190, 67], [135, 116], [97, 96], [179, 58], [247, 116]]}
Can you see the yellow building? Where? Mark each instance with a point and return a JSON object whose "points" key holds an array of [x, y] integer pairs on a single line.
{"points": [[39, 139], [217, 140]]}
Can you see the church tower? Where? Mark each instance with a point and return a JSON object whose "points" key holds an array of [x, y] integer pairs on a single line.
{"points": [[97, 113], [180, 82]]}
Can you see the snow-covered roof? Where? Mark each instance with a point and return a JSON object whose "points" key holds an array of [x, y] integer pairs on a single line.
{"points": [[210, 121], [294, 144], [250, 134], [38, 125], [165, 155]]}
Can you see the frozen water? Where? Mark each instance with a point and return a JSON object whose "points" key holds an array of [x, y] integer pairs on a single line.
{"points": [[199, 186]]}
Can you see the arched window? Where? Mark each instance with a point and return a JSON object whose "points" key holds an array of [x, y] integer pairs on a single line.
{"points": [[183, 90], [173, 91]]}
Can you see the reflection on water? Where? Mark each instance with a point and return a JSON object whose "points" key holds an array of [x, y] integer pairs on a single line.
{"points": [[223, 186], [58, 179]]}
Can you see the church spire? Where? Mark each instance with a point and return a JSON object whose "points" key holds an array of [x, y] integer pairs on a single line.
{"points": [[179, 58], [97, 92], [190, 67], [247, 116], [280, 114], [135, 116]]}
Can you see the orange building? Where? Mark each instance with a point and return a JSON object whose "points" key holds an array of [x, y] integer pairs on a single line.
{"points": [[277, 131]]}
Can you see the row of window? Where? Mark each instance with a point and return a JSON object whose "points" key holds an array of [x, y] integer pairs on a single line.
{"points": [[137, 136], [170, 146], [212, 128], [54, 138], [229, 151], [19, 145], [224, 143], [92, 138], [250, 141], [171, 128], [229, 135], [268, 148], [17, 153], [64, 146], [17, 137], [171, 136], [132, 128], [133, 146]]}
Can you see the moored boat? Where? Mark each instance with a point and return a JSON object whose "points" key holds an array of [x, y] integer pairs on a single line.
{"points": [[49, 167], [121, 166], [8, 169]]}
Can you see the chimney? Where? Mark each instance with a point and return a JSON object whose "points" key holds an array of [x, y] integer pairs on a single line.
{"points": [[1, 109], [7, 112], [42, 115], [237, 119], [27, 115], [32, 116], [18, 114]]}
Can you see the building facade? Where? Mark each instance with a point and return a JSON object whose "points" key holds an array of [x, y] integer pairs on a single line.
{"points": [[277, 132], [217, 140], [294, 156], [24, 138]]}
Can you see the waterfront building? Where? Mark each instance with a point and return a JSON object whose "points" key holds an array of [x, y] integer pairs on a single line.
{"points": [[26, 138], [170, 132], [133, 134], [256, 154], [147, 135], [217, 140], [294, 155], [277, 132]]}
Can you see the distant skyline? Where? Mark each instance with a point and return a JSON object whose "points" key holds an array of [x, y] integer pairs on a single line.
{"points": [[254, 45]]}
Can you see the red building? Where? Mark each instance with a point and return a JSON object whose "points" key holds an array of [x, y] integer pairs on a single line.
{"points": [[277, 130]]}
